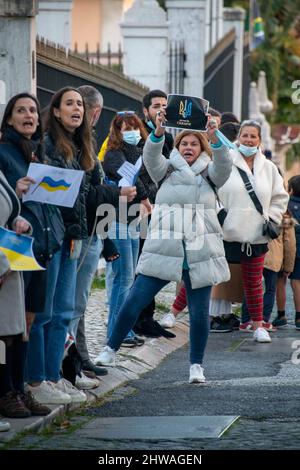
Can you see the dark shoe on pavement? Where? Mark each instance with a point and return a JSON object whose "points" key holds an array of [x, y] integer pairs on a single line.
{"points": [[280, 322], [11, 406], [152, 329], [233, 321], [132, 342], [88, 366], [218, 325], [36, 408]]}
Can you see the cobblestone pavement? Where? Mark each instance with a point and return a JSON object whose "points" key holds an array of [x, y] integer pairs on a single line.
{"points": [[97, 311], [257, 382]]}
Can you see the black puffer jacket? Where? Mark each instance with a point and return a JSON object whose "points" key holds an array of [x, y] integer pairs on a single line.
{"points": [[74, 218], [97, 194], [113, 160]]}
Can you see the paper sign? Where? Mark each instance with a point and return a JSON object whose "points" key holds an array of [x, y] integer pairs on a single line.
{"points": [[129, 173], [18, 250], [186, 112], [53, 185]]}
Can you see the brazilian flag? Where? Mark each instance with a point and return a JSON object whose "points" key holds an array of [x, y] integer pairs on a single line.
{"points": [[257, 34]]}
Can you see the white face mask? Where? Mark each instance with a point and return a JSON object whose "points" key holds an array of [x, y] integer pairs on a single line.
{"points": [[247, 151], [132, 137]]}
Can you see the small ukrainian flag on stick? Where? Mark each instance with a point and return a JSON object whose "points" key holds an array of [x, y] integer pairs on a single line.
{"points": [[257, 34], [18, 250]]}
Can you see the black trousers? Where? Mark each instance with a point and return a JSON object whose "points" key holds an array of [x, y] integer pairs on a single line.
{"points": [[147, 312]]}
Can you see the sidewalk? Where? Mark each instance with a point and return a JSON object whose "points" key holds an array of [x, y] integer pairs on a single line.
{"points": [[131, 362]]}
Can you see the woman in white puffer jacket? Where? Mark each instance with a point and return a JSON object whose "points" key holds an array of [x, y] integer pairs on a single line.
{"points": [[184, 238], [244, 240]]}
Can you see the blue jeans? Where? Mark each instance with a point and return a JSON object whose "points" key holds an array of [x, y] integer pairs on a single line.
{"points": [[49, 329], [90, 254], [269, 296], [143, 291], [122, 270], [109, 276]]}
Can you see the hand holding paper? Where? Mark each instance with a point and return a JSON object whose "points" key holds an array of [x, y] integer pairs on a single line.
{"points": [[53, 185], [186, 112], [129, 173]]}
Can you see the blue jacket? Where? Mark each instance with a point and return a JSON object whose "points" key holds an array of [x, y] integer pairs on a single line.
{"points": [[294, 209], [46, 221]]}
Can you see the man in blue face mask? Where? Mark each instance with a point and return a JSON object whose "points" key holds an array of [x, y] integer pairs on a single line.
{"points": [[153, 102]]}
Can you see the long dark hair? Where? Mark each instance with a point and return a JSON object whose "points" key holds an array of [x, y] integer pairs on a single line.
{"points": [[27, 146], [65, 142]]}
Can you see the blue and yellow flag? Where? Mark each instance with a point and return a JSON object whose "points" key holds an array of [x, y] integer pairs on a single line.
{"points": [[257, 34], [51, 185], [18, 250]]}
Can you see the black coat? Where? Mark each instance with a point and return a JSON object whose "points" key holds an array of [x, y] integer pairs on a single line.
{"points": [[167, 149], [97, 194], [75, 218], [294, 209], [113, 160]]}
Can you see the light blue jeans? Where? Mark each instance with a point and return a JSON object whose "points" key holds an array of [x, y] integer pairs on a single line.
{"points": [[49, 329], [90, 254], [143, 291], [122, 273]]}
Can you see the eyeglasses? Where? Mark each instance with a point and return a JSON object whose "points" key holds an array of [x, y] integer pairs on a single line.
{"points": [[125, 113]]}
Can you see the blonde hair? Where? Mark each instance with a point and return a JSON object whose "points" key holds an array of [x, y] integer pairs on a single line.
{"points": [[205, 147]]}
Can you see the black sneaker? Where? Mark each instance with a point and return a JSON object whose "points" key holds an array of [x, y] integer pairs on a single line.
{"points": [[280, 322], [218, 325], [88, 366], [132, 342], [232, 321]]}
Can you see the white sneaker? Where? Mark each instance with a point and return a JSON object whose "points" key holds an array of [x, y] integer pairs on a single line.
{"points": [[196, 374], [4, 426], [46, 393], [107, 357], [168, 320], [261, 336], [76, 395], [86, 383]]}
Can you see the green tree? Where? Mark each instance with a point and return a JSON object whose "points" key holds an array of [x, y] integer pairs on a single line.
{"points": [[279, 54]]}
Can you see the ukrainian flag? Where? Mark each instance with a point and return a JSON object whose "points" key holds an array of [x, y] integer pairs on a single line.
{"points": [[257, 34], [51, 185], [18, 250]]}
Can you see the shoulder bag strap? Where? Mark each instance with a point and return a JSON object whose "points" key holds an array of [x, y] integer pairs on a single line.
{"points": [[251, 191], [205, 176]]}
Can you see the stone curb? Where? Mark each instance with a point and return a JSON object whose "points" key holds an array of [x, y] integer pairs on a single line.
{"points": [[131, 364]]}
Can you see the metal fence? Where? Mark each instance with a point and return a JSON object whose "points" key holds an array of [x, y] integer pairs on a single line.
{"points": [[57, 69], [218, 76], [177, 73], [112, 60]]}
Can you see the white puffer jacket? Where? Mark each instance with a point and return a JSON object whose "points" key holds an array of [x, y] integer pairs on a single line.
{"points": [[243, 222], [185, 215]]}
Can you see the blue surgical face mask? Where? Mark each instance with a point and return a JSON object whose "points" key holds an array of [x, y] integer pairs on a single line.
{"points": [[247, 151], [151, 125], [131, 137]]}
